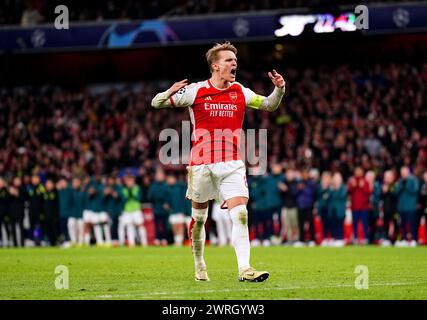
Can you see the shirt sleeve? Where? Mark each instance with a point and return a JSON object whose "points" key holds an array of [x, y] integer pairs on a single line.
{"points": [[182, 99], [256, 101]]}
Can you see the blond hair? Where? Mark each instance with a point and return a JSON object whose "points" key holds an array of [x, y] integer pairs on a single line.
{"points": [[212, 54]]}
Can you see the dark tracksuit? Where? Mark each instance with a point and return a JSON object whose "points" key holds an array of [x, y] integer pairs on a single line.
{"points": [[158, 196], [374, 211], [257, 198], [176, 198], [51, 213], [114, 207], [336, 211], [322, 203], [16, 211], [273, 203], [423, 205], [389, 199], [77, 203], [407, 193], [64, 206], [289, 201], [4, 213], [36, 198], [305, 203]]}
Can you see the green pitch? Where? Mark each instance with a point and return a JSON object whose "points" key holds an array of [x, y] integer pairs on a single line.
{"points": [[167, 273]]}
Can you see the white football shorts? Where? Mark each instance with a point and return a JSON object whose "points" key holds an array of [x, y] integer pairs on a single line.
{"points": [[177, 218], [132, 218], [92, 217], [221, 181]]}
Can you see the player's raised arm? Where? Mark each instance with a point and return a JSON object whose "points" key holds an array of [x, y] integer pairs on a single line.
{"points": [[169, 97], [270, 103]]}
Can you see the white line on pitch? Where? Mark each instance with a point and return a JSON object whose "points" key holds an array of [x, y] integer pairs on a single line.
{"points": [[174, 293]]}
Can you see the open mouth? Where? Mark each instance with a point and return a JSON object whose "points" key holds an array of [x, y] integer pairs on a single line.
{"points": [[233, 72]]}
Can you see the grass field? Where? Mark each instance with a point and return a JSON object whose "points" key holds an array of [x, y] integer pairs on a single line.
{"points": [[167, 273]]}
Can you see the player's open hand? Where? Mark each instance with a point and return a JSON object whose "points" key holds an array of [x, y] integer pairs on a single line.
{"points": [[177, 86], [277, 79]]}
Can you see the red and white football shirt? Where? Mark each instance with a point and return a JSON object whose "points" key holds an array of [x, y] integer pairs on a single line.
{"points": [[217, 118]]}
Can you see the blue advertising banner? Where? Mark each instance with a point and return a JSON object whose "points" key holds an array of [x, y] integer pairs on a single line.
{"points": [[149, 32], [207, 29]]}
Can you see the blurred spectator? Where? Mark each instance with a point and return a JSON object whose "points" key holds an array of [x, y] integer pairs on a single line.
{"points": [[257, 203], [374, 202], [36, 192], [289, 217], [113, 204], [31, 16], [271, 202], [360, 192], [18, 196], [132, 218], [51, 212], [64, 194], [75, 222], [323, 205], [274, 199], [177, 208], [4, 213], [99, 217], [389, 199], [423, 202], [407, 192], [306, 193], [157, 195], [337, 208]]}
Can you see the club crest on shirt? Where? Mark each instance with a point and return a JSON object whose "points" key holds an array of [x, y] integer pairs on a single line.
{"points": [[233, 96]]}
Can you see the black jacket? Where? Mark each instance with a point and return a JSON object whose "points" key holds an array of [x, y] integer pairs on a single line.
{"points": [[4, 203], [423, 196], [17, 204], [289, 197], [389, 199]]}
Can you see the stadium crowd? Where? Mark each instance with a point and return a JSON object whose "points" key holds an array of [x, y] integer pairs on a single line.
{"points": [[32, 12], [108, 210], [357, 137]]}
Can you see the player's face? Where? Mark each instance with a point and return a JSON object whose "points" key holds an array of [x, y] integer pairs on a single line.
{"points": [[49, 185], [404, 172], [227, 65], [129, 181], [35, 180], [389, 177], [76, 183], [337, 180]]}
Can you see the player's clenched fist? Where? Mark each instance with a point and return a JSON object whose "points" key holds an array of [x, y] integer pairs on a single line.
{"points": [[277, 79], [177, 86]]}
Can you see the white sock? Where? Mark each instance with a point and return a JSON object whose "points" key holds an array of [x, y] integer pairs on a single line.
{"points": [[98, 234], [198, 235], [130, 230], [178, 239], [107, 233], [80, 228], [121, 232], [71, 224], [142, 235], [240, 236]]}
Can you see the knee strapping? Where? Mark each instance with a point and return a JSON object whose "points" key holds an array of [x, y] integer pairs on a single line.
{"points": [[239, 215], [199, 215]]}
